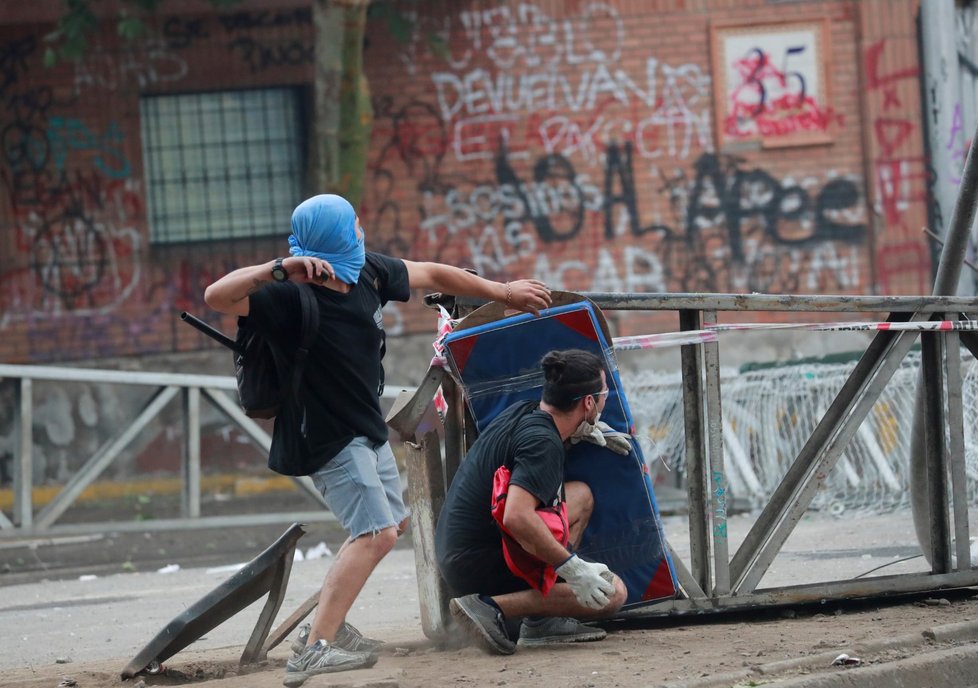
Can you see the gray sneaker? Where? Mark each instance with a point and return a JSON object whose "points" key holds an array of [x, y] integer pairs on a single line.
{"points": [[348, 638], [323, 658], [558, 629], [483, 623]]}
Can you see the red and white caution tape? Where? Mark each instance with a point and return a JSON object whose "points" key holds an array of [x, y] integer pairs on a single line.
{"points": [[916, 326], [710, 332], [660, 341]]}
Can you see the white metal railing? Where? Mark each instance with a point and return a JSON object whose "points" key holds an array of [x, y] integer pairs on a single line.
{"points": [[189, 388]]}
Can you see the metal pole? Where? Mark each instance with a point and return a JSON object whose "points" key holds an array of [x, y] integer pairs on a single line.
{"points": [[948, 274], [696, 459], [955, 448], [942, 103], [190, 471], [935, 451], [717, 483], [24, 456]]}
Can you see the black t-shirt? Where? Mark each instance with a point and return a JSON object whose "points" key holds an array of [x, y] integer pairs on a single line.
{"points": [[525, 439], [343, 374]]}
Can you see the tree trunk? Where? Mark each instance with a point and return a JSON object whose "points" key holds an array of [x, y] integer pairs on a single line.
{"points": [[343, 116]]}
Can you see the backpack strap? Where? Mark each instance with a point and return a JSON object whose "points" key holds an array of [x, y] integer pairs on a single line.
{"points": [[371, 272], [309, 310]]}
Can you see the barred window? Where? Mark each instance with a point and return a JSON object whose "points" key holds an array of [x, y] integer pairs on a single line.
{"points": [[221, 165]]}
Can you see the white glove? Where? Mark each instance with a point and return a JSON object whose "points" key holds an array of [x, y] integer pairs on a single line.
{"points": [[591, 582], [603, 435]]}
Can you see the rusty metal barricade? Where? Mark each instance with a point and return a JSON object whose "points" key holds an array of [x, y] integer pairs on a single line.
{"points": [[716, 578]]}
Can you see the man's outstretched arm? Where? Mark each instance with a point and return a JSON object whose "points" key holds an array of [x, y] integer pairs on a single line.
{"points": [[527, 295]]}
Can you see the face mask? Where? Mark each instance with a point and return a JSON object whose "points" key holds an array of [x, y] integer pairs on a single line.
{"points": [[587, 426]]}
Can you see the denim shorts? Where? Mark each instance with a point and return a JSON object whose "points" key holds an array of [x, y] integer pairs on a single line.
{"points": [[362, 487]]}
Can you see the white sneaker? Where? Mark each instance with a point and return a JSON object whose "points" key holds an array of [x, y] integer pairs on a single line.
{"points": [[347, 637], [323, 658]]}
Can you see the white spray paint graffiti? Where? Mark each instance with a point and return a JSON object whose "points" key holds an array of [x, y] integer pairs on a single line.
{"points": [[460, 211], [641, 271], [541, 64], [495, 224], [547, 100], [140, 66]]}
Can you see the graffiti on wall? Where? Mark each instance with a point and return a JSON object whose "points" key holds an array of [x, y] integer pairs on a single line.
{"points": [[542, 152], [242, 34], [522, 61], [770, 83], [132, 67], [900, 179], [562, 147], [75, 207], [71, 197]]}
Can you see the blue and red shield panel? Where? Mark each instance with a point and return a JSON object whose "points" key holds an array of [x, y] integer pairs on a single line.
{"points": [[498, 364]]}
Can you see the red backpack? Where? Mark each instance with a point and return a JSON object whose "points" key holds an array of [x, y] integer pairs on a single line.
{"points": [[526, 566]]}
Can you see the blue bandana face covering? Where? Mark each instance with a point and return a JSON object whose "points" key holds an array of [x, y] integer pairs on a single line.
{"points": [[324, 226]]}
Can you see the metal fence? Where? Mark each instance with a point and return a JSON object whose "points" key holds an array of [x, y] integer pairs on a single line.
{"points": [[713, 577], [716, 578], [166, 388]]}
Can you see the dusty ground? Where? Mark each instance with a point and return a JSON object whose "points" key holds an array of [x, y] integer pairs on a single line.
{"points": [[716, 650], [650, 652]]}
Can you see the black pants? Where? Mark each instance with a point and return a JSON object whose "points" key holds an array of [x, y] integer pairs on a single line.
{"points": [[479, 570]]}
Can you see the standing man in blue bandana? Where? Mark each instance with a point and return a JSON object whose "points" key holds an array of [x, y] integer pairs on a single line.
{"points": [[344, 437]]}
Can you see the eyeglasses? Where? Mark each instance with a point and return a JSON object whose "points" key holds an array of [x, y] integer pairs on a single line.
{"points": [[602, 393]]}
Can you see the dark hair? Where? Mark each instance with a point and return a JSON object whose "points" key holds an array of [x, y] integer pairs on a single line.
{"points": [[569, 375]]}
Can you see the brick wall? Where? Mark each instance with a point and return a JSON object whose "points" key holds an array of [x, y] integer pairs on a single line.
{"points": [[577, 143], [590, 145]]}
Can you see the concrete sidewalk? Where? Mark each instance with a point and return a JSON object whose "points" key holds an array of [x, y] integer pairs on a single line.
{"points": [[904, 661]]}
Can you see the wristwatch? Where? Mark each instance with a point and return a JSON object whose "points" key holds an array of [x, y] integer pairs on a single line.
{"points": [[279, 273]]}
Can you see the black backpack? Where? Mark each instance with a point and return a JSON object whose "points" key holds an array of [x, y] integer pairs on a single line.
{"points": [[265, 373]]}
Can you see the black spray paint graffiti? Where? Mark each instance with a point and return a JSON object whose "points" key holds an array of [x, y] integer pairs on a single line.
{"points": [[725, 192], [768, 229], [13, 61], [248, 21], [68, 189], [261, 56], [555, 202], [416, 139], [181, 32]]}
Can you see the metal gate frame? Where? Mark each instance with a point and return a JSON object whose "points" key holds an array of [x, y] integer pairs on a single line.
{"points": [[715, 580], [167, 387]]}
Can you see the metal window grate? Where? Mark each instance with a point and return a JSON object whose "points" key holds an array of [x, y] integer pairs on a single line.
{"points": [[221, 165]]}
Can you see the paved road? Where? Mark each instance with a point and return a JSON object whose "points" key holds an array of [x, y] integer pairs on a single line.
{"points": [[42, 621], [50, 620], [45, 621]]}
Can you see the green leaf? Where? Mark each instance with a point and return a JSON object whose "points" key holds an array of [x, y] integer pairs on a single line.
{"points": [[400, 27], [147, 5], [438, 45], [73, 48], [50, 57], [131, 28]]}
